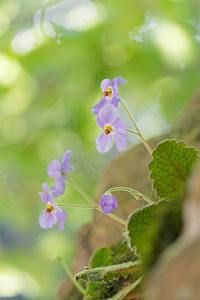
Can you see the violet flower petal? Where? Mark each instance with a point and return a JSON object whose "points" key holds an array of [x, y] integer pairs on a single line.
{"points": [[115, 204], [47, 220], [104, 142], [47, 192], [64, 167], [96, 108], [118, 80], [108, 114], [58, 188], [54, 169], [119, 126], [121, 141], [104, 84], [99, 123], [43, 197], [115, 98], [107, 209], [108, 203], [61, 215], [115, 83]]}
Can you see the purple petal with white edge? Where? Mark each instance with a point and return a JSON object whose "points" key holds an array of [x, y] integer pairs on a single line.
{"points": [[61, 215], [43, 197], [64, 167], [119, 126], [47, 220], [108, 114], [96, 109], [104, 143], [118, 81], [54, 169], [104, 84], [99, 123], [58, 188], [115, 204], [121, 141]]}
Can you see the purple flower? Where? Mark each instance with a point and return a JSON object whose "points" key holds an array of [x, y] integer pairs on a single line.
{"points": [[57, 171], [114, 129], [49, 217], [108, 203], [110, 93]]}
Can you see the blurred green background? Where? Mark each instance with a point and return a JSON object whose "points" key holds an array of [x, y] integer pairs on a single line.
{"points": [[53, 56]]}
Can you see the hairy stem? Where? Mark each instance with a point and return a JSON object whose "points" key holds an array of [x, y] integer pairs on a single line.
{"points": [[76, 205], [113, 216], [129, 130], [81, 192], [71, 276], [132, 191], [95, 205]]}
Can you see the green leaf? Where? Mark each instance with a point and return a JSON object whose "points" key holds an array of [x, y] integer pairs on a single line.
{"points": [[113, 255], [154, 227], [112, 282], [171, 166], [107, 272], [126, 290], [106, 289], [139, 225], [101, 258]]}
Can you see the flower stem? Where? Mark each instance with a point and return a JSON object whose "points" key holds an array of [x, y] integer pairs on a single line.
{"points": [[95, 205], [129, 130], [113, 216], [133, 192], [75, 205], [83, 194], [69, 273], [137, 129]]}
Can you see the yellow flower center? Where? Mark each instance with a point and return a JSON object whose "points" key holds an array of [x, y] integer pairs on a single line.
{"points": [[50, 208], [108, 129], [108, 92]]}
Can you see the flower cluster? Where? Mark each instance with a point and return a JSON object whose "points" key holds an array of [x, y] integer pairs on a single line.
{"points": [[53, 213], [114, 129], [49, 217]]}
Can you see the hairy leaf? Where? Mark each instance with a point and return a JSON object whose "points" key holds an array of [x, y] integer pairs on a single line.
{"points": [[107, 272], [140, 224], [126, 290], [154, 227], [101, 258], [171, 166], [106, 289], [113, 255]]}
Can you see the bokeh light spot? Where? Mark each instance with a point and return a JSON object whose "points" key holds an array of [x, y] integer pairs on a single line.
{"points": [[9, 70], [24, 41]]}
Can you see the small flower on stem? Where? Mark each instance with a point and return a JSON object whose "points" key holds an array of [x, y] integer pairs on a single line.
{"points": [[110, 93], [114, 129], [57, 170], [49, 217], [108, 203]]}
